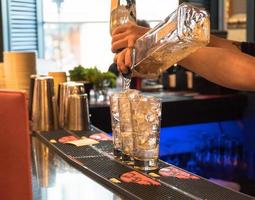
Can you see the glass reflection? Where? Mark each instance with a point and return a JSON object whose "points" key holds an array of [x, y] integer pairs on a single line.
{"points": [[55, 179]]}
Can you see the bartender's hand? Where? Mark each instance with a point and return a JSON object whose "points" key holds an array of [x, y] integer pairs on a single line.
{"points": [[124, 60], [124, 37]]}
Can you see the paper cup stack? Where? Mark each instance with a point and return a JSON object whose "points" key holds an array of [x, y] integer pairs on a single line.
{"points": [[18, 66]]}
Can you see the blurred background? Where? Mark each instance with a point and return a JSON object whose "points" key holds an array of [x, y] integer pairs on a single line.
{"points": [[70, 32]]}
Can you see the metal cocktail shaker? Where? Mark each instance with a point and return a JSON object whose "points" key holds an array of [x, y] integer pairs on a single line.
{"points": [[77, 113], [65, 90], [44, 105], [31, 92]]}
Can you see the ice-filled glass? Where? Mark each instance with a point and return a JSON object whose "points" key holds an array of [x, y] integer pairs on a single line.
{"points": [[146, 115], [180, 34], [126, 129], [115, 120]]}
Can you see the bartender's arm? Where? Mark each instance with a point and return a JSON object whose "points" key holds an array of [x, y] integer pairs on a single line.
{"points": [[221, 62], [226, 67]]}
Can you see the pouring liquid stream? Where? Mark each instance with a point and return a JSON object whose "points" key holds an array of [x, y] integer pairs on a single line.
{"points": [[126, 78]]}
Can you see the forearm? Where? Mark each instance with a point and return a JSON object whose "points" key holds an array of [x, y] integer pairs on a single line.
{"points": [[232, 69], [224, 43]]}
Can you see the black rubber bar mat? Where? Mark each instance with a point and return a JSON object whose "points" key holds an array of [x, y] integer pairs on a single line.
{"points": [[97, 161]]}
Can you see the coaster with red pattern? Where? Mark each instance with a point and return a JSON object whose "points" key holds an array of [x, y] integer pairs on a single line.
{"points": [[66, 139], [135, 177], [100, 137], [175, 172]]}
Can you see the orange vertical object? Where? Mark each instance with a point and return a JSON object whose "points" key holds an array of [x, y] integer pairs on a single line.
{"points": [[15, 167]]}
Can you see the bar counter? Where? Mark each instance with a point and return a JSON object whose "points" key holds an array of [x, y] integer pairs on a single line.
{"points": [[54, 178], [64, 171], [179, 108]]}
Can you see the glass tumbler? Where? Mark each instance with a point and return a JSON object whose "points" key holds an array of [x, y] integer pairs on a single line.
{"points": [[115, 120], [146, 115], [126, 129]]}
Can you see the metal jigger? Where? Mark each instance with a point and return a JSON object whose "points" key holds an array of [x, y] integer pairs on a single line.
{"points": [[44, 106], [77, 113], [66, 89]]}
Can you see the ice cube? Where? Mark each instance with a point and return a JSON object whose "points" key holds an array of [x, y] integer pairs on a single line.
{"points": [[150, 117]]}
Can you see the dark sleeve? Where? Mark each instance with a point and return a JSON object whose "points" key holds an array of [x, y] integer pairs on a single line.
{"points": [[248, 48], [114, 69]]}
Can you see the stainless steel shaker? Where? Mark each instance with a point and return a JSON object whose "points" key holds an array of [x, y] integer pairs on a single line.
{"points": [[77, 113], [66, 89], [44, 106], [31, 92]]}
